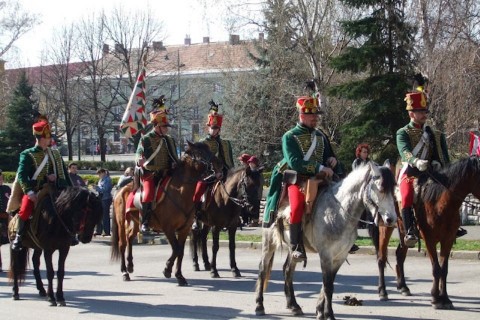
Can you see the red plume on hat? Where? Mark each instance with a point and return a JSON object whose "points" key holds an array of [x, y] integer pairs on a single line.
{"points": [[214, 119], [41, 129]]}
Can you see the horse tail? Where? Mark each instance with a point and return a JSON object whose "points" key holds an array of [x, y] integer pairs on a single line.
{"points": [[268, 272], [18, 264], [114, 240]]}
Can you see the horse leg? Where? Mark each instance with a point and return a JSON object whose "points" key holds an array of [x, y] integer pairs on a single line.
{"points": [[381, 237], [231, 246], [446, 247], [324, 307], [18, 265], [215, 247], [288, 271], [130, 255], [194, 248], [401, 255], [265, 269], [172, 239], [36, 272], [62, 256], [182, 239], [47, 255], [436, 272], [204, 243]]}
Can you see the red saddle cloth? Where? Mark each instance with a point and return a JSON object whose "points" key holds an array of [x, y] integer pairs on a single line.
{"points": [[158, 196]]}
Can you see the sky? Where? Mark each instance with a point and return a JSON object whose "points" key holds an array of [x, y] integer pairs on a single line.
{"points": [[180, 17]]}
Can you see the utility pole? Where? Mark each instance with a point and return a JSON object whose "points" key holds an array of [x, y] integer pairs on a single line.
{"points": [[178, 105]]}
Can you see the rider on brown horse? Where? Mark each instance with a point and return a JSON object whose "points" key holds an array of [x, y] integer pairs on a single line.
{"points": [[221, 148], [38, 165], [157, 156], [420, 147]]}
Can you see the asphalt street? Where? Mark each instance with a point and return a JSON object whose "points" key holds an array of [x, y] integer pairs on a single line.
{"points": [[94, 288]]}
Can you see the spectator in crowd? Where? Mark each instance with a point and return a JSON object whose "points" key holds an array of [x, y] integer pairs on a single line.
{"points": [[104, 188], [73, 173], [125, 179]]}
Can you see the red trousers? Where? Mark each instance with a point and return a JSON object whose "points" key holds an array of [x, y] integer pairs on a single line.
{"points": [[297, 203], [26, 208], [148, 188], [199, 191], [406, 190]]}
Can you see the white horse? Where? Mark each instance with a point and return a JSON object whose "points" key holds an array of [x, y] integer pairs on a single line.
{"points": [[331, 231]]}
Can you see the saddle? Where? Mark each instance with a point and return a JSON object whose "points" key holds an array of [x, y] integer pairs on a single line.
{"points": [[159, 195]]}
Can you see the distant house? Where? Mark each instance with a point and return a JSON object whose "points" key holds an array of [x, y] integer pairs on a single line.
{"points": [[189, 75]]}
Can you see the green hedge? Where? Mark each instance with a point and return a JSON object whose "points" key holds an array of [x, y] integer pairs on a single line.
{"points": [[9, 177]]}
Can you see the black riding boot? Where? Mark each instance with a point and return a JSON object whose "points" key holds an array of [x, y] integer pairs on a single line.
{"points": [[146, 215], [196, 225], [17, 243], [408, 222], [296, 242]]}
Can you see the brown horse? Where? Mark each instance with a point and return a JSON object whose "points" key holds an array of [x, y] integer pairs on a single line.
{"points": [[76, 210], [242, 189], [438, 219], [173, 215]]}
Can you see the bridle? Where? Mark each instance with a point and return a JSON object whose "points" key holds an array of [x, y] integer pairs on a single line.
{"points": [[242, 190]]}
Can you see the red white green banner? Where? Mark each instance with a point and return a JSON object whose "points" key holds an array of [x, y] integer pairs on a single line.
{"points": [[134, 119]]}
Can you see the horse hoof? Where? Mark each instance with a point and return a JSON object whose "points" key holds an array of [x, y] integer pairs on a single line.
{"points": [[62, 303], [384, 297], [16, 297], [215, 274], [442, 306], [236, 274], [42, 293], [405, 292], [130, 269], [208, 267], [259, 311], [182, 283], [297, 311], [167, 274], [196, 267], [53, 303], [126, 277]]}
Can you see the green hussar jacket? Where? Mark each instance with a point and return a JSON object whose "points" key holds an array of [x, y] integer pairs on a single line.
{"points": [[409, 136], [166, 156], [295, 145], [30, 160], [222, 149]]}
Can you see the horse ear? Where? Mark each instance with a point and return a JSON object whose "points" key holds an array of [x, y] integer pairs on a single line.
{"points": [[387, 163], [374, 168], [190, 144]]}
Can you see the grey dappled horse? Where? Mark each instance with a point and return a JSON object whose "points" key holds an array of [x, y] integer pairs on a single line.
{"points": [[331, 231]]}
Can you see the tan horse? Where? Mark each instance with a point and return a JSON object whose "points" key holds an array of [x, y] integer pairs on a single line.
{"points": [[173, 215]]}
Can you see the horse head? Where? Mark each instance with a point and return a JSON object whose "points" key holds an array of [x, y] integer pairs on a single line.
{"points": [[250, 189], [378, 196], [202, 159], [83, 208]]}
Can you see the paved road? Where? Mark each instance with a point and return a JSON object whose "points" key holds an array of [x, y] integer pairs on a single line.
{"points": [[94, 289]]}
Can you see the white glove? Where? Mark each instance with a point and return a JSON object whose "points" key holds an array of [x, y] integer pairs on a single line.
{"points": [[422, 165], [436, 165]]}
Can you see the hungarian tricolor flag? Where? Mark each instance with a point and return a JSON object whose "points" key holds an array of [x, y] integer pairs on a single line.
{"points": [[474, 144], [134, 119]]}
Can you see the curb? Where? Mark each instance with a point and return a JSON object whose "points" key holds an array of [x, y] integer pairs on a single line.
{"points": [[159, 239]]}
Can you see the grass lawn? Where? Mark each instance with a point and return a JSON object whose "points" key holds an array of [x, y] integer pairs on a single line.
{"points": [[460, 245]]}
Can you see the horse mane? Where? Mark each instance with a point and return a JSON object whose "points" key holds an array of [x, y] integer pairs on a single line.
{"points": [[451, 175], [70, 198], [388, 180]]}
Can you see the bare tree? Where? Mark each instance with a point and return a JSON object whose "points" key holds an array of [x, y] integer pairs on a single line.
{"points": [[15, 21]]}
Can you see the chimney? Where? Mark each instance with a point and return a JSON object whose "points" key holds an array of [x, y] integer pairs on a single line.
{"points": [[106, 48], [206, 39], [119, 48], [261, 36], [187, 40], [158, 46], [234, 39]]}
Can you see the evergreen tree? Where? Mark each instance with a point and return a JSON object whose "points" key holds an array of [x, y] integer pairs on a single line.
{"points": [[18, 132], [380, 59]]}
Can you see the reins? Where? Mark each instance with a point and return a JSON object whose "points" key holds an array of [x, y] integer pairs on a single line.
{"points": [[239, 202]]}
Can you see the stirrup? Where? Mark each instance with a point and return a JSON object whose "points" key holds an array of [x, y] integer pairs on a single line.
{"points": [[195, 225], [298, 256], [17, 244], [144, 228], [410, 240], [461, 232]]}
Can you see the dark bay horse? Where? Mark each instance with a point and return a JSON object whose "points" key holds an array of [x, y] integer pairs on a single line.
{"points": [[242, 189], [331, 231], [76, 210], [438, 219], [173, 215]]}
